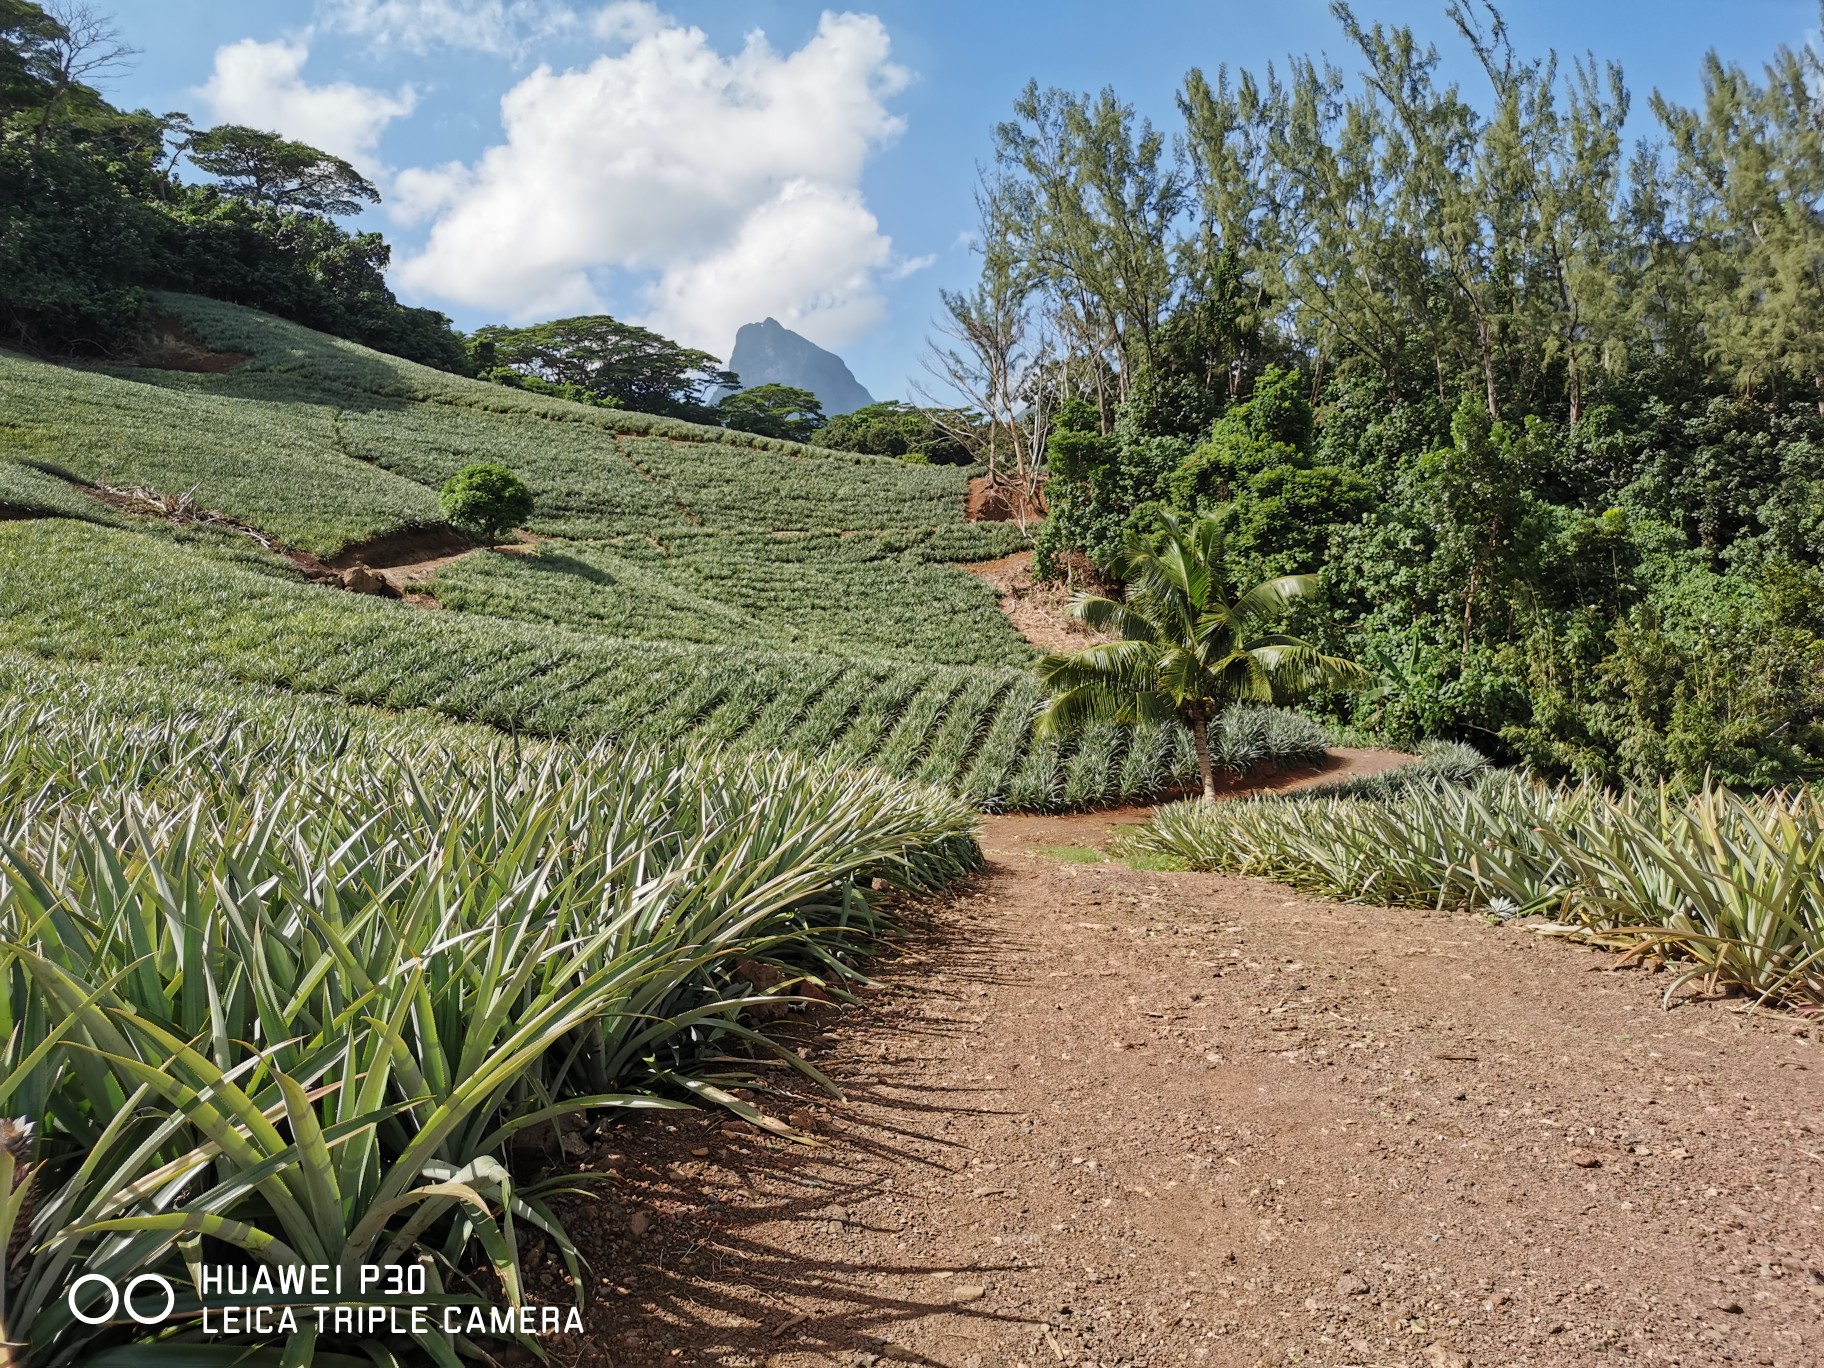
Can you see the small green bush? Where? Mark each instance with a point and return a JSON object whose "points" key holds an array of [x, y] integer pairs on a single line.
{"points": [[486, 500]]}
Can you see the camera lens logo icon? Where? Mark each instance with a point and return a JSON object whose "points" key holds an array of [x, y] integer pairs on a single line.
{"points": [[133, 1298]]}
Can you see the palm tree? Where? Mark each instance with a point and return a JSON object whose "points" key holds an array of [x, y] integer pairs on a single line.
{"points": [[1187, 649]]}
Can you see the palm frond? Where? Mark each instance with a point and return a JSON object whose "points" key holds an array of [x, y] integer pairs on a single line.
{"points": [[1183, 676], [1128, 664], [1180, 568], [1075, 708], [1108, 615], [1209, 543], [1297, 669], [1267, 601]]}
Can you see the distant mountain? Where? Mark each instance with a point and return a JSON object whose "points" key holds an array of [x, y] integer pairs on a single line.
{"points": [[770, 353]]}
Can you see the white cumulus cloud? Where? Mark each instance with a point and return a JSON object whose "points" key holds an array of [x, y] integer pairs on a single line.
{"points": [[262, 85], [807, 257], [718, 187]]}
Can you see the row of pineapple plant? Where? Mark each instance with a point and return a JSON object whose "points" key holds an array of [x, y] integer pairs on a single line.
{"points": [[285, 990], [1729, 886]]}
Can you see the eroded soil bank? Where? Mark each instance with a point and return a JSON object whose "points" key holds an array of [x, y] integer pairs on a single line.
{"points": [[1104, 1116]]}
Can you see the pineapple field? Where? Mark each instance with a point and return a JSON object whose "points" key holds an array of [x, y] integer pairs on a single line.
{"points": [[323, 910], [685, 583], [316, 903], [291, 979], [1258, 806]]}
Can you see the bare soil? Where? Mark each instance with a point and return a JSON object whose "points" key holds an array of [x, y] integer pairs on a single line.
{"points": [[404, 562], [989, 502], [1103, 1116], [415, 547], [172, 346], [1035, 609]]}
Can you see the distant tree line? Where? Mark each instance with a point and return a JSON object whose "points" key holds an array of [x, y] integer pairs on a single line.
{"points": [[596, 359], [1546, 408], [600, 360]]}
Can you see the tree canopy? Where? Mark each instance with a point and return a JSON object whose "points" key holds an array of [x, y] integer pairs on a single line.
{"points": [[27, 35], [1547, 404], [486, 501], [93, 213], [604, 359], [893, 428], [773, 411], [268, 169]]}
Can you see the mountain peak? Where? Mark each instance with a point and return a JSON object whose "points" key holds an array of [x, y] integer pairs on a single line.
{"points": [[769, 353]]}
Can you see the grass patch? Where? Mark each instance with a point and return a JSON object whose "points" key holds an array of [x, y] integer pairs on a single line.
{"points": [[1153, 862]]}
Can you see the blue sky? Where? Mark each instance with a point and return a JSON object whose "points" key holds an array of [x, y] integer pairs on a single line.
{"points": [[657, 161]]}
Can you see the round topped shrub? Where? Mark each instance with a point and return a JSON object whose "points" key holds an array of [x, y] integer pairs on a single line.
{"points": [[486, 500]]}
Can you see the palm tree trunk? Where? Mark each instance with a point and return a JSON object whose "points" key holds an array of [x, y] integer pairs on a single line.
{"points": [[1200, 734]]}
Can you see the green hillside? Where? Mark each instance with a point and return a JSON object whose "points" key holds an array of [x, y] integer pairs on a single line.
{"points": [[326, 444], [687, 582]]}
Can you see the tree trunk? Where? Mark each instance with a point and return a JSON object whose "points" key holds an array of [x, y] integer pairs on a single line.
{"points": [[1485, 339], [1200, 734]]}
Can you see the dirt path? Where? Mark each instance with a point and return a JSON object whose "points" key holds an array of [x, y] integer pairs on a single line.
{"points": [[1034, 607], [1102, 1116]]}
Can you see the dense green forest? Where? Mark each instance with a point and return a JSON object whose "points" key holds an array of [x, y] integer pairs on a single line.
{"points": [[93, 213], [1544, 400]]}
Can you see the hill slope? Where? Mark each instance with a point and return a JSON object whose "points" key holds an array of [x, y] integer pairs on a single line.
{"points": [[686, 582]]}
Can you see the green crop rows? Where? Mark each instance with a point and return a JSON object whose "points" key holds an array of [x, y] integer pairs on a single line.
{"points": [[270, 463], [595, 472], [324, 444], [27, 492], [281, 348], [856, 595], [687, 582], [298, 983], [129, 599]]}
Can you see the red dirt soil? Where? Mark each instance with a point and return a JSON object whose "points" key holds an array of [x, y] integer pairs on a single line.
{"points": [[990, 502], [419, 546], [1105, 1116]]}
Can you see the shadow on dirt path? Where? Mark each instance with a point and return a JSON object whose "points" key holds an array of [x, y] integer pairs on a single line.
{"points": [[1105, 1116]]}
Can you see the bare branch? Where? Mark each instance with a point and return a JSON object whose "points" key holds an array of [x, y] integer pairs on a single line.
{"points": [[86, 47], [92, 44]]}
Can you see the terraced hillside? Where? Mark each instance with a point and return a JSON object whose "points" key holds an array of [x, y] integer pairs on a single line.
{"points": [[684, 581]]}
